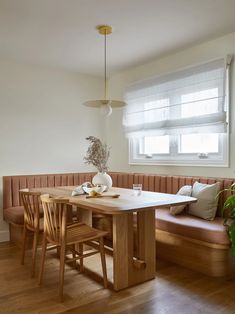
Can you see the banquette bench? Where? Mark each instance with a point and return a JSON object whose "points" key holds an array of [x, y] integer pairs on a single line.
{"points": [[186, 240]]}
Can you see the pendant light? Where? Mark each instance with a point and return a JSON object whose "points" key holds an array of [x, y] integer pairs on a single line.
{"points": [[105, 104]]}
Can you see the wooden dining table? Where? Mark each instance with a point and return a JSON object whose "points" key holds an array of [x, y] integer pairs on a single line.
{"points": [[128, 268]]}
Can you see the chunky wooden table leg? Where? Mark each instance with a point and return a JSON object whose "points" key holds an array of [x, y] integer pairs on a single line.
{"points": [[128, 270], [122, 250], [146, 246]]}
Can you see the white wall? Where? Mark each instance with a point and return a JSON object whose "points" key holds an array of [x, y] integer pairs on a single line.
{"points": [[43, 123], [188, 57]]}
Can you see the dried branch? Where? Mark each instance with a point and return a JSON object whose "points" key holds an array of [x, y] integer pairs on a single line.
{"points": [[97, 154]]}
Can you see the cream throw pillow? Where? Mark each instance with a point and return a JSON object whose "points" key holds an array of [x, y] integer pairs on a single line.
{"points": [[185, 190], [206, 205]]}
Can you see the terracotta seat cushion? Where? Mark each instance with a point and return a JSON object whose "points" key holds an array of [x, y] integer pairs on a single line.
{"points": [[192, 227], [14, 215]]}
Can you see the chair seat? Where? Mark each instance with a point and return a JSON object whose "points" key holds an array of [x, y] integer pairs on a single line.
{"points": [[80, 232]]}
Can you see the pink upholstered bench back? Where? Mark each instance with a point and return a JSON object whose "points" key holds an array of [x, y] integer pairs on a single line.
{"points": [[167, 184], [150, 182], [12, 184]]}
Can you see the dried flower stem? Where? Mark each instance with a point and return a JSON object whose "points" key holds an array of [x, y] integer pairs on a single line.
{"points": [[97, 154]]}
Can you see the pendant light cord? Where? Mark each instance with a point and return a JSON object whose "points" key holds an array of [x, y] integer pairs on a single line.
{"points": [[105, 68]]}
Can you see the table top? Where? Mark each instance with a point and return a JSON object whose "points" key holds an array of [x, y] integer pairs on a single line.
{"points": [[127, 202]]}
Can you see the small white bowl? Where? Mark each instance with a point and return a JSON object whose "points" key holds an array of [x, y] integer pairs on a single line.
{"points": [[98, 189]]}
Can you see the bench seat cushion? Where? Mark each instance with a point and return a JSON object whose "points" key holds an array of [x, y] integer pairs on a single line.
{"points": [[14, 215], [192, 227]]}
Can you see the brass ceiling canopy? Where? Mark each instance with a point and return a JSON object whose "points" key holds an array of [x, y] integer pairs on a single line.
{"points": [[105, 104], [104, 29]]}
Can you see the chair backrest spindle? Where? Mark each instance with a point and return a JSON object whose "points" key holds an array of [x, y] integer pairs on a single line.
{"points": [[32, 203], [55, 218]]}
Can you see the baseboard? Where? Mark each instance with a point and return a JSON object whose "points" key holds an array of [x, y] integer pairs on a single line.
{"points": [[4, 236]]}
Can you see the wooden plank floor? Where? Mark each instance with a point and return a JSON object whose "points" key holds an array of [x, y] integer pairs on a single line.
{"points": [[175, 290]]}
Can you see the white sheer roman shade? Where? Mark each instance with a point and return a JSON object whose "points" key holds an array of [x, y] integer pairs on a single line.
{"points": [[188, 101]]}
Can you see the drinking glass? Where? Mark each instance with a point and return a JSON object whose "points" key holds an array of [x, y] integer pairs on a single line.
{"points": [[137, 188]]}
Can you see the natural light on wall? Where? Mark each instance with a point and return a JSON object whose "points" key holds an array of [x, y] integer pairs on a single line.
{"points": [[180, 118]]}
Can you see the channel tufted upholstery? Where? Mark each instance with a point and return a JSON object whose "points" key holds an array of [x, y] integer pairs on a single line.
{"points": [[12, 184], [168, 184], [150, 182]]}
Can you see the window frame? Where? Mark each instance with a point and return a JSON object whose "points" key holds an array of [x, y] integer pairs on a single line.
{"points": [[175, 158]]}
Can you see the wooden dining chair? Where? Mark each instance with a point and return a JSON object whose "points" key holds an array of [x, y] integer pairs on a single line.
{"points": [[68, 237], [32, 223]]}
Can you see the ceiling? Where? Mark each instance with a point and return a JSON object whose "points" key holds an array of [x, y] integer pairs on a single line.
{"points": [[62, 33]]}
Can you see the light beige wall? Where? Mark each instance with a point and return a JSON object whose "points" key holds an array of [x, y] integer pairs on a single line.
{"points": [[188, 57], [43, 123]]}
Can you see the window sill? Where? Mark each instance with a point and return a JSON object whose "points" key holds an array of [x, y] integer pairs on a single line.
{"points": [[179, 164]]}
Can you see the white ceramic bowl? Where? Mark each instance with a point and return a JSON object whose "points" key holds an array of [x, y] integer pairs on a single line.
{"points": [[98, 189]]}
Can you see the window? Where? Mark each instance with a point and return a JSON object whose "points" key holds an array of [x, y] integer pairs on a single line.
{"points": [[195, 143], [155, 145], [207, 102], [180, 118]]}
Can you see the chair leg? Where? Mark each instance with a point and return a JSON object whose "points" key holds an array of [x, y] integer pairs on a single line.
{"points": [[58, 251], [103, 262], [44, 248], [74, 256], [23, 244], [61, 276], [35, 245], [81, 268]]}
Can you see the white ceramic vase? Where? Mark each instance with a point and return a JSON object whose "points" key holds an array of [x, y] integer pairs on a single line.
{"points": [[103, 178]]}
